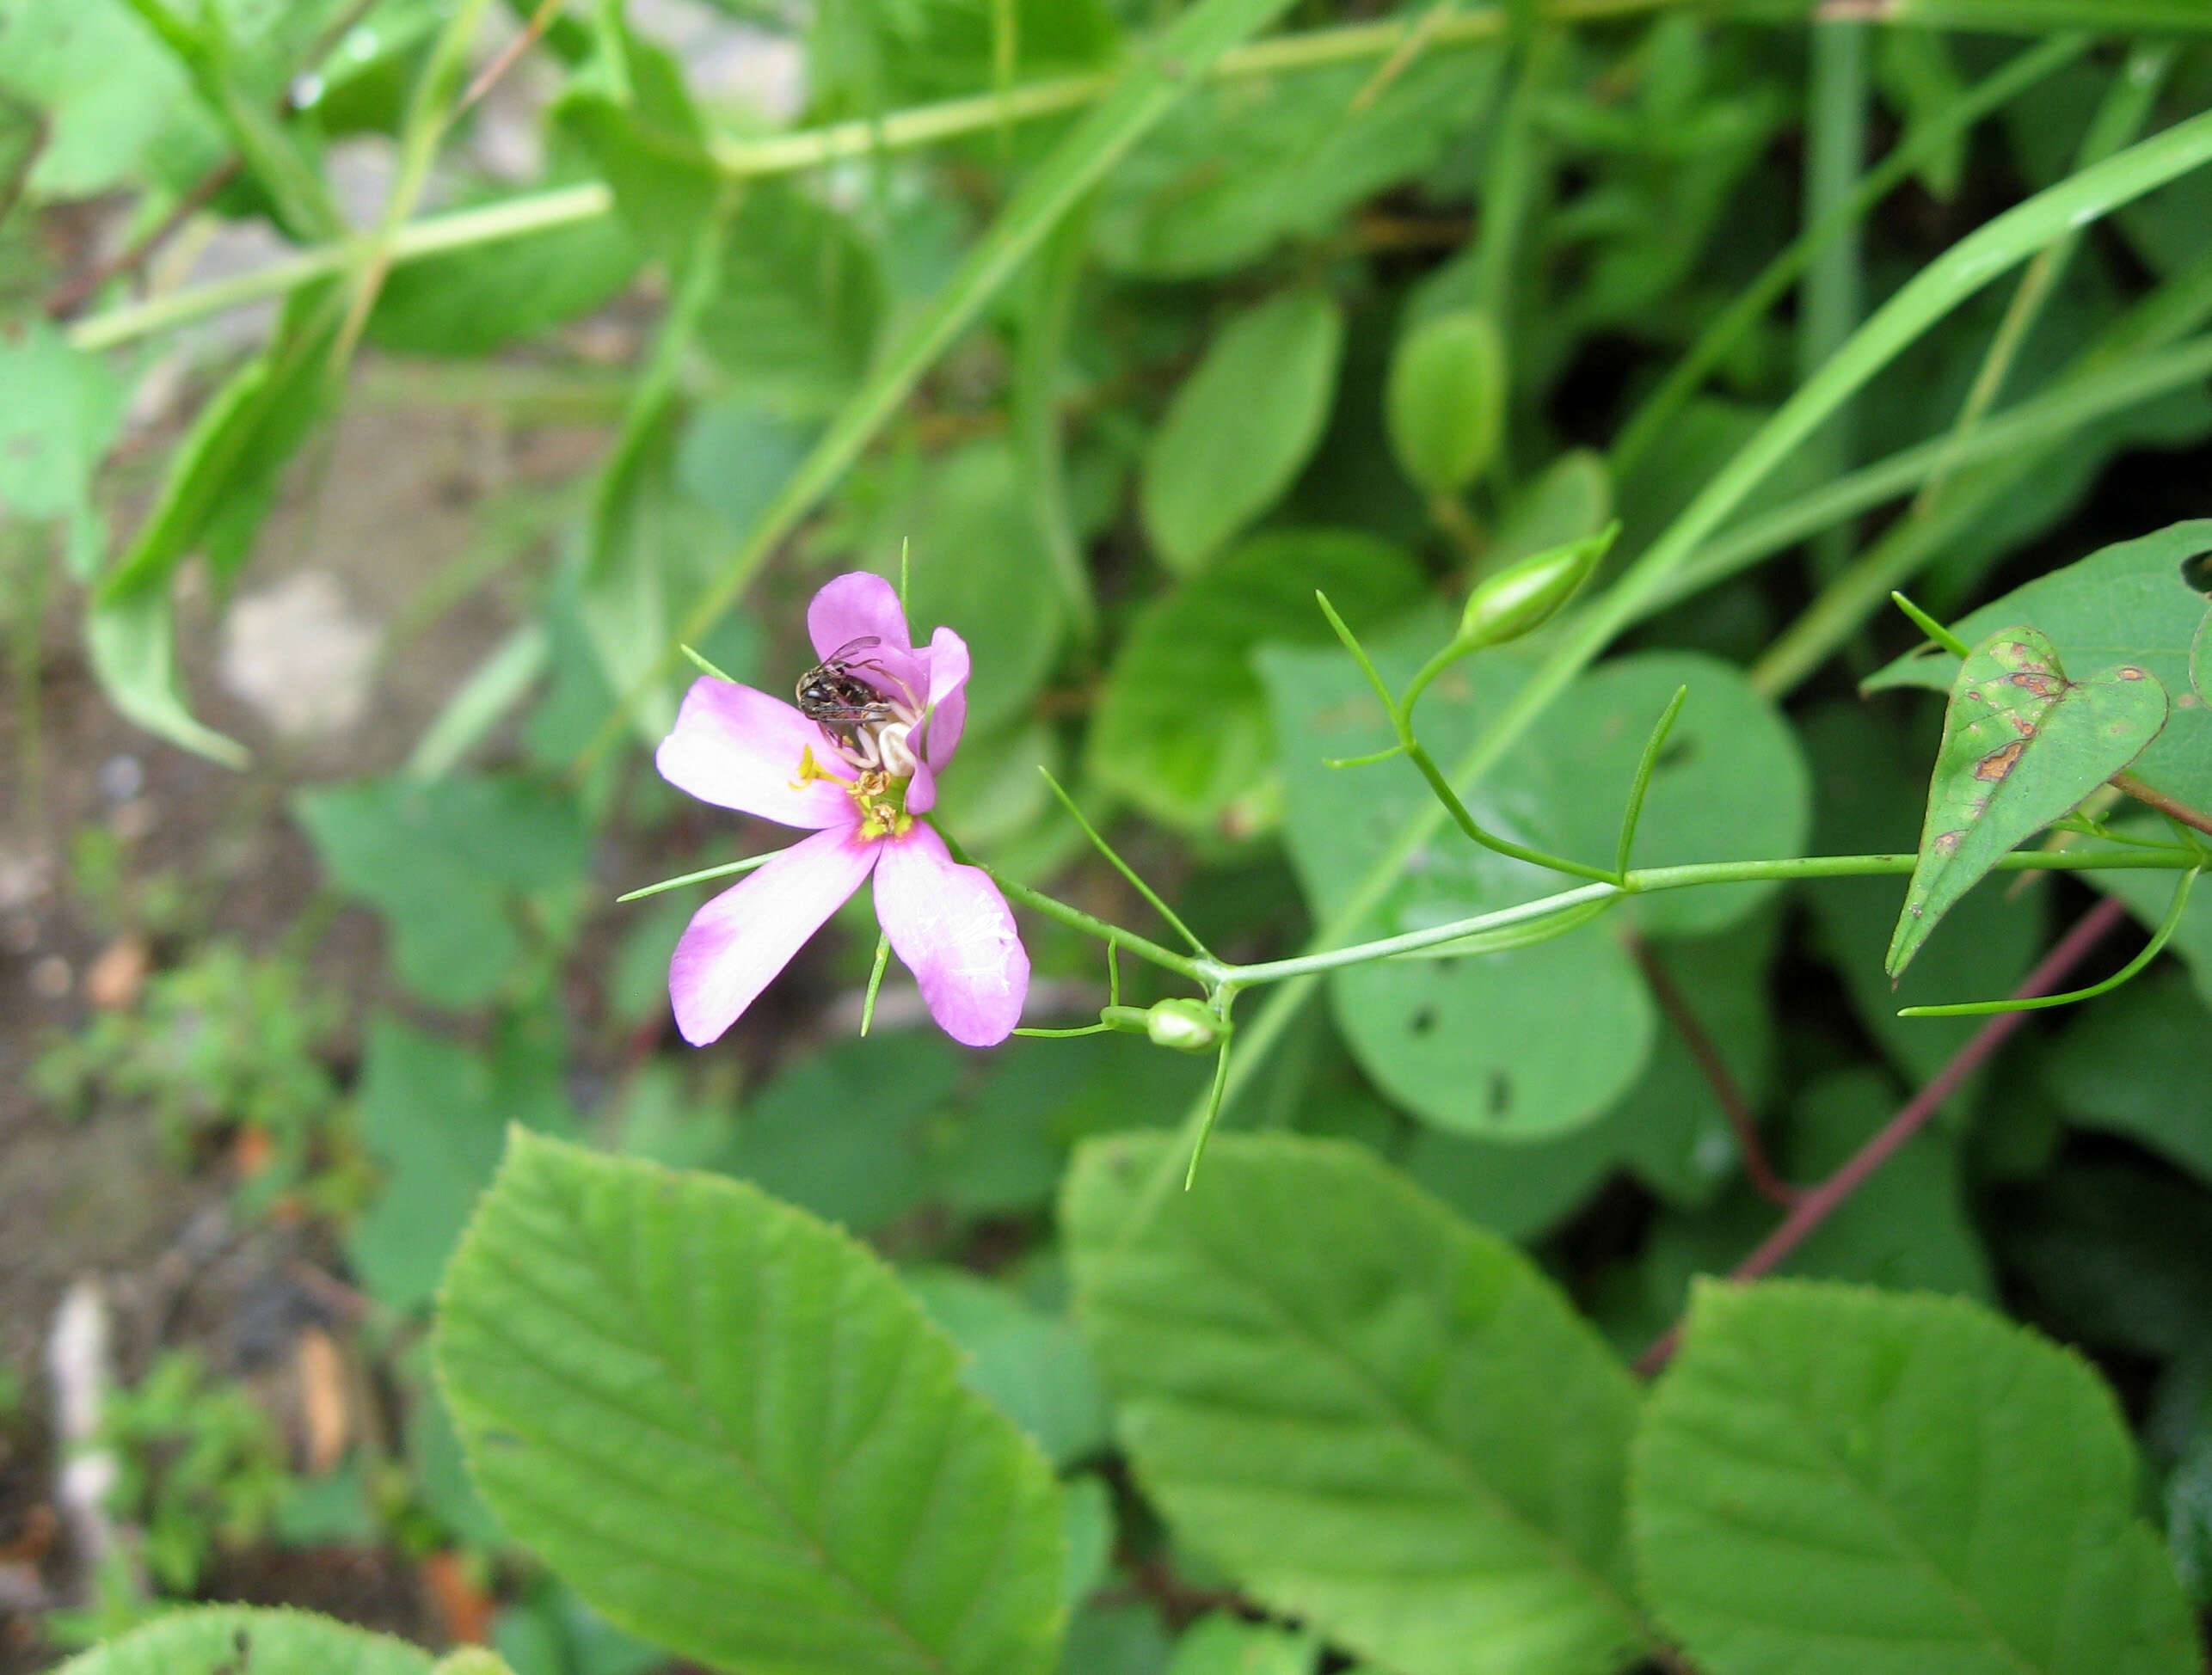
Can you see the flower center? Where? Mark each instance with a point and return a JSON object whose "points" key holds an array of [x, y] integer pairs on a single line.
{"points": [[879, 758]]}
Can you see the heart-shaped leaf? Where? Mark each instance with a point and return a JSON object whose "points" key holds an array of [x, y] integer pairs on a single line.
{"points": [[2022, 744]]}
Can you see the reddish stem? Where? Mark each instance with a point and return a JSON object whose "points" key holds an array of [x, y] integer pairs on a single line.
{"points": [[1815, 1205], [1741, 1118]]}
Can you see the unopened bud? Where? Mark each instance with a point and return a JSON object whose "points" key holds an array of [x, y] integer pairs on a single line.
{"points": [[1523, 596], [1184, 1025]]}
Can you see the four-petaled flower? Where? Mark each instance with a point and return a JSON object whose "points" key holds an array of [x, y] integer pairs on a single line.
{"points": [[857, 787]]}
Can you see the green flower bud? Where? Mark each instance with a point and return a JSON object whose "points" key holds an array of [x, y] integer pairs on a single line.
{"points": [[1184, 1025], [1523, 596]]}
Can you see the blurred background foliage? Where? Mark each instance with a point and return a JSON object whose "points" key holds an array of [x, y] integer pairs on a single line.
{"points": [[386, 386]]}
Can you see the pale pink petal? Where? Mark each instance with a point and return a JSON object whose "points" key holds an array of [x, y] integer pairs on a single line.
{"points": [[862, 606], [741, 748], [948, 696], [738, 941], [922, 790], [956, 933]]}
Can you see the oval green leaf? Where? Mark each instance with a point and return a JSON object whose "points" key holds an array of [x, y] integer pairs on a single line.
{"points": [[1241, 425], [2022, 744]]}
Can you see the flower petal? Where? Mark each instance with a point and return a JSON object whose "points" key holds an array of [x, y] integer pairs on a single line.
{"points": [[738, 940], [922, 790], [956, 933], [740, 749], [948, 696], [859, 605]]}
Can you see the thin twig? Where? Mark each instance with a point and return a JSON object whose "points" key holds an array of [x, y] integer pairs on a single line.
{"points": [[1741, 1118], [73, 296], [2172, 807], [503, 60], [1821, 1201]]}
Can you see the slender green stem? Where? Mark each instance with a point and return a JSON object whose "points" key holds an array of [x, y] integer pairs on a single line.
{"points": [[1650, 879], [787, 154], [1202, 972], [1652, 420], [2064, 409], [1646, 765], [1400, 712], [2037, 1003], [1099, 842], [1490, 840], [1215, 1097], [1829, 301], [2126, 107]]}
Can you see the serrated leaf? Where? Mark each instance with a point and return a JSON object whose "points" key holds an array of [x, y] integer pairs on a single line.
{"points": [[2127, 603], [2022, 744], [1241, 425], [1836, 1482], [1378, 1419], [1182, 730], [237, 1640], [732, 1430]]}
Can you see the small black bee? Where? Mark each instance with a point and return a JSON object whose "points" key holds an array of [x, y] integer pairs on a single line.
{"points": [[831, 695]]}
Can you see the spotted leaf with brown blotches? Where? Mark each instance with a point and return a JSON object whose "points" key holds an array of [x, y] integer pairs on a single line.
{"points": [[2022, 744]]}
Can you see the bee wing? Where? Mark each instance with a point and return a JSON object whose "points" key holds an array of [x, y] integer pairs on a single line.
{"points": [[852, 646]]}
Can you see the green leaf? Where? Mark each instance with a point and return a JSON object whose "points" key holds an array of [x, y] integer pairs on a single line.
{"points": [[2134, 1064], [978, 566], [735, 1433], [1244, 164], [1572, 500], [1865, 774], [1241, 425], [481, 298], [1446, 400], [434, 1114], [1379, 1420], [841, 1133], [1182, 730], [1149, 86], [232, 1640], [1031, 1365], [221, 482], [1526, 1044], [1833, 1480], [629, 108], [2127, 603], [1219, 1644], [2125, 17], [2113, 1253], [105, 85], [2022, 746], [59, 411], [441, 860], [794, 317]]}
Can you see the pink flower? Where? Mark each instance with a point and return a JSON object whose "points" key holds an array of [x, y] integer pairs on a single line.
{"points": [[858, 785]]}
